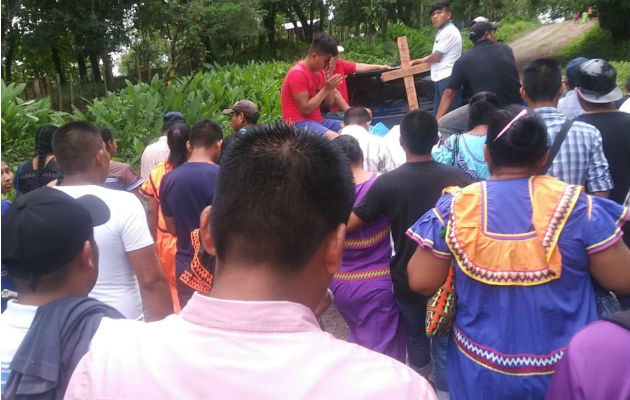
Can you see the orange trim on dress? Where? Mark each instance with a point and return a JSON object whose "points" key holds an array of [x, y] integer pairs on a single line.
{"points": [[510, 259]]}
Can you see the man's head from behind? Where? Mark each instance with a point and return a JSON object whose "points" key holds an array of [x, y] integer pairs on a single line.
{"points": [[171, 118], [48, 245], [281, 201], [596, 82], [323, 49], [542, 81], [418, 132], [483, 30], [207, 134], [571, 71], [79, 149], [357, 116]]}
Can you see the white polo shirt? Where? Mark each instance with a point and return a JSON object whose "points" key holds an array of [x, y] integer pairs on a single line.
{"points": [[448, 42]]}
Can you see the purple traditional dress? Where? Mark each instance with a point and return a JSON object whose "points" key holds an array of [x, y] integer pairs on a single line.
{"points": [[363, 287], [520, 250]]}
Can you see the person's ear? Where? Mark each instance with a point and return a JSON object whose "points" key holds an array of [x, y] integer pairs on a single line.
{"points": [[101, 159], [523, 94], [486, 154], [204, 231], [333, 249], [559, 93], [188, 146]]}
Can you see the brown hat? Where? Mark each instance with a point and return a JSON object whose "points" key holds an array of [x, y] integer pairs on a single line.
{"points": [[243, 106]]}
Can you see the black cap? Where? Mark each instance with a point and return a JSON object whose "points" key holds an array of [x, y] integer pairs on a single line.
{"points": [[44, 230], [596, 80], [478, 29], [171, 118]]}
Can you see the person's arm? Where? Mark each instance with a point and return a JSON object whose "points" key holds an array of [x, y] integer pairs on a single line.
{"points": [[152, 216], [170, 225], [361, 67], [430, 59], [603, 194], [340, 102], [306, 105], [354, 223], [426, 271], [156, 295], [611, 268], [447, 99]]}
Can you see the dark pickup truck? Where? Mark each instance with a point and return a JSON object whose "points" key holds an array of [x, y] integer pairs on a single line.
{"points": [[388, 100]]}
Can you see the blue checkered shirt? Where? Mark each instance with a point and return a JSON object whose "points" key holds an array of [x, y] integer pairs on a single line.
{"points": [[581, 159]]}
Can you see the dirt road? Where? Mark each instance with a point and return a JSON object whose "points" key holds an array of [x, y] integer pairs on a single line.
{"points": [[546, 40]]}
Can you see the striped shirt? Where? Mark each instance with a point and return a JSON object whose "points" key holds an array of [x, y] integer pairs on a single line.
{"points": [[581, 159]]}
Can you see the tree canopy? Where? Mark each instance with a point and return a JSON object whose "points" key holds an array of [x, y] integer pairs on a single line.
{"points": [[42, 37]]}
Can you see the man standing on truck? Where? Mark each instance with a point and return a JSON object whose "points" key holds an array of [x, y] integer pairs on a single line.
{"points": [[447, 48]]}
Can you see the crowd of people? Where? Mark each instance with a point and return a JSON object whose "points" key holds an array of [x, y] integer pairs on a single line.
{"points": [[502, 216]]}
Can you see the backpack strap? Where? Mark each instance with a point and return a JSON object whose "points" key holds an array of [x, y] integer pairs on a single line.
{"points": [[555, 147], [621, 318]]}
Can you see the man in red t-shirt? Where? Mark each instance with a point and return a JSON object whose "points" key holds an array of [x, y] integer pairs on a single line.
{"points": [[344, 68], [311, 83]]}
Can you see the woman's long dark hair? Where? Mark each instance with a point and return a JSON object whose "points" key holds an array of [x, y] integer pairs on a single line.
{"points": [[43, 146], [176, 138]]}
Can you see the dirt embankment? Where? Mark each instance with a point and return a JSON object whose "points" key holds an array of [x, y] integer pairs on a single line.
{"points": [[547, 39]]}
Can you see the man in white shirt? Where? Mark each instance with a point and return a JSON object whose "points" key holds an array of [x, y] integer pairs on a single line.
{"points": [[447, 48], [377, 156], [157, 152], [278, 220], [129, 278], [49, 250]]}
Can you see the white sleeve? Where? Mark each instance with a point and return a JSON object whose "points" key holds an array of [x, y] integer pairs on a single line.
{"points": [[446, 42], [135, 230]]}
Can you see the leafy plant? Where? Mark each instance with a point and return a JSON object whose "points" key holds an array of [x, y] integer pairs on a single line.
{"points": [[20, 121]]}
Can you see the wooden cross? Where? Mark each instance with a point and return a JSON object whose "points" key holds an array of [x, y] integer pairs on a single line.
{"points": [[406, 71]]}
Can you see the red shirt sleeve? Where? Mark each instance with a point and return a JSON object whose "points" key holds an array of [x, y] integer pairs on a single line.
{"points": [[348, 67]]}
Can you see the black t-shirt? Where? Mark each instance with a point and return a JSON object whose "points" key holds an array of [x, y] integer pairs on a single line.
{"points": [[615, 130], [404, 195], [488, 66]]}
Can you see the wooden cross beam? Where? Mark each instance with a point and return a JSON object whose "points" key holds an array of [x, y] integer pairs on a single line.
{"points": [[406, 71]]}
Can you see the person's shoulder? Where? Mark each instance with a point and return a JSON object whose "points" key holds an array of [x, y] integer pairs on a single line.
{"points": [[381, 375]]}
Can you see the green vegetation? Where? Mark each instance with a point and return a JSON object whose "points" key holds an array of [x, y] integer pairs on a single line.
{"points": [[20, 121], [596, 43], [515, 26], [135, 113]]}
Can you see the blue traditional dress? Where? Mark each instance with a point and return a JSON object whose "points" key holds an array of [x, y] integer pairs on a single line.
{"points": [[465, 152], [520, 250]]}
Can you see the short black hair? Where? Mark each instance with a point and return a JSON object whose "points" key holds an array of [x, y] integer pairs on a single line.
{"points": [[356, 116], [440, 5], [324, 43], [249, 118], [205, 133], [75, 145], [542, 79], [523, 144], [350, 148], [279, 192], [481, 107], [419, 131], [106, 134]]}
